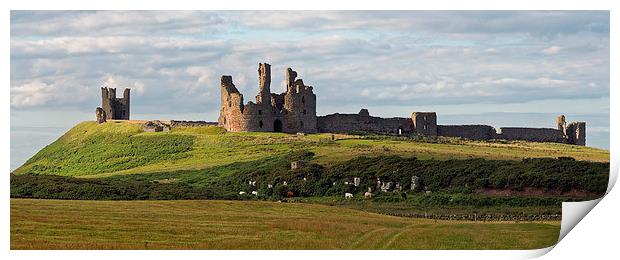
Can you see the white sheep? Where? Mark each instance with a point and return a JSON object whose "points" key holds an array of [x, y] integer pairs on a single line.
{"points": [[255, 192], [348, 195], [368, 195], [242, 193]]}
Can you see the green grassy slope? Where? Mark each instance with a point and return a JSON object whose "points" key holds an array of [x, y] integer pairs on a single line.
{"points": [[58, 224], [115, 148]]}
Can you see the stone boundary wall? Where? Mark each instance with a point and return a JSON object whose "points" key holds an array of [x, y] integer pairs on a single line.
{"points": [[474, 132], [176, 123], [531, 134], [338, 123]]}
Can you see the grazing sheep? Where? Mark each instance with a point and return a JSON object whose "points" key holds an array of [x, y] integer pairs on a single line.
{"points": [[255, 192], [348, 195], [242, 193], [368, 195]]}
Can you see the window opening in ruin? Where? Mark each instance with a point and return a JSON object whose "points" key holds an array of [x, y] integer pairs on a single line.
{"points": [[301, 124], [229, 103], [260, 112], [424, 127], [400, 131], [260, 123], [303, 99], [424, 118], [304, 111], [277, 125]]}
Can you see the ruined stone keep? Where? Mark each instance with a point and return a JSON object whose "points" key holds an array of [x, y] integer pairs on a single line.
{"points": [[290, 112], [114, 108], [295, 111]]}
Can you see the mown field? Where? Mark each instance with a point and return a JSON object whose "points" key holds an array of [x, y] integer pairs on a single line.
{"points": [[198, 224], [120, 148]]}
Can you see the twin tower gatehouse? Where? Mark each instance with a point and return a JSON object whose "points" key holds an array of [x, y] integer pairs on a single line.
{"points": [[289, 112]]}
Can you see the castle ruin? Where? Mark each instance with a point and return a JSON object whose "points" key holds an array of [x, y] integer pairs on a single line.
{"points": [[289, 112], [114, 108], [295, 111]]}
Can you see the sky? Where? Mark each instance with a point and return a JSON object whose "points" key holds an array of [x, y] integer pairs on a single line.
{"points": [[468, 66]]}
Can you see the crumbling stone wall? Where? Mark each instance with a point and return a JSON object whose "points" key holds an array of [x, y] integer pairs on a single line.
{"points": [[115, 108], [573, 133], [100, 115], [155, 126], [292, 111], [363, 122], [177, 123], [531, 134], [474, 132], [561, 123]]}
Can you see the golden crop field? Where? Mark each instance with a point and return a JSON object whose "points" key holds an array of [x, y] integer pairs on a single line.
{"points": [[194, 224]]}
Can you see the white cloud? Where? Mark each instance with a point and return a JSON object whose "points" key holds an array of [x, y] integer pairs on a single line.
{"points": [[120, 83], [552, 50], [380, 57], [32, 94], [138, 88]]}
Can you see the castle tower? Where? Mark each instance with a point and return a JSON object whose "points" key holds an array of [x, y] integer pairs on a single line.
{"points": [[299, 105], [231, 106], [125, 103], [290, 79], [424, 123], [115, 108], [576, 133], [264, 79]]}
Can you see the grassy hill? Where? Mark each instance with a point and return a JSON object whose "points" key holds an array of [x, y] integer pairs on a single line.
{"points": [[125, 170], [194, 224], [121, 148]]}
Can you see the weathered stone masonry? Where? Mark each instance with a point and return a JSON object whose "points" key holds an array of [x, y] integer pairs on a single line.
{"points": [[295, 111], [290, 112], [113, 107]]}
